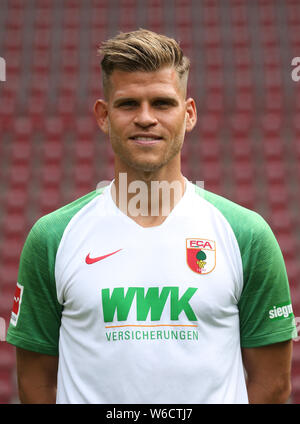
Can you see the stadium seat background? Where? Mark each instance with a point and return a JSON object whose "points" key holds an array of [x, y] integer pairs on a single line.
{"points": [[246, 145]]}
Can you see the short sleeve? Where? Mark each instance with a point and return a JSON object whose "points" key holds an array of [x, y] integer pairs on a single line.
{"points": [[36, 313], [265, 307]]}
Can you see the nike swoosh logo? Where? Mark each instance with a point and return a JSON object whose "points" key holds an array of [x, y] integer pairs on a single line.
{"points": [[91, 261]]}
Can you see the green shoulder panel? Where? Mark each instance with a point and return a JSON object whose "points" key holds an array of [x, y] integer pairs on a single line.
{"points": [[36, 326], [265, 308]]}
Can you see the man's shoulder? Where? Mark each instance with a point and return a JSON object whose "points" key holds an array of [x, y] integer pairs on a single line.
{"points": [[245, 223], [228, 207], [52, 225], [70, 209]]}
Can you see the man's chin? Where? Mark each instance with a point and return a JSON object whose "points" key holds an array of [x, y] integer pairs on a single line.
{"points": [[149, 168], [144, 166]]}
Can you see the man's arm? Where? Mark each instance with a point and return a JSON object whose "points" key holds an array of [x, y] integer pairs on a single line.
{"points": [[268, 372], [37, 376]]}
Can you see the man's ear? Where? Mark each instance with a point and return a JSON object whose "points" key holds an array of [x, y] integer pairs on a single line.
{"points": [[100, 110], [191, 111]]}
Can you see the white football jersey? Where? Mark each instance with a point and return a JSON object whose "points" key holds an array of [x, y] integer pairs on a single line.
{"points": [[156, 314]]}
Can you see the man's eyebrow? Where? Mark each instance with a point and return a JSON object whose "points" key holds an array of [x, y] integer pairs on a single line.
{"points": [[167, 99], [123, 100]]}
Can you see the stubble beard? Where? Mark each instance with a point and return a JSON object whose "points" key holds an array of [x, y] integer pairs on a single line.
{"points": [[144, 165]]}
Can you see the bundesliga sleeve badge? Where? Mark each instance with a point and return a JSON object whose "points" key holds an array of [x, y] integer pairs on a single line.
{"points": [[16, 304], [201, 255]]}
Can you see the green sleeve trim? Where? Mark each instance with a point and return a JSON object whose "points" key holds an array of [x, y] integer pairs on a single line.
{"points": [[31, 345], [268, 338]]}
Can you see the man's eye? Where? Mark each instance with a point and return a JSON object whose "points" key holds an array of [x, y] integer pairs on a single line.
{"points": [[162, 103], [127, 104]]}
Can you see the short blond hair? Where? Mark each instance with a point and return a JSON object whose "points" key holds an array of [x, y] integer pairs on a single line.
{"points": [[141, 50]]}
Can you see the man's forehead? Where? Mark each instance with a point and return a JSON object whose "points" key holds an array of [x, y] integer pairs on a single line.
{"points": [[165, 80]]}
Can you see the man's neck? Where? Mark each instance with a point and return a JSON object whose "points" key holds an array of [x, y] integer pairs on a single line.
{"points": [[147, 197]]}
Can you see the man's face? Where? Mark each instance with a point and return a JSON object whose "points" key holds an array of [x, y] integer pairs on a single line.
{"points": [[146, 117]]}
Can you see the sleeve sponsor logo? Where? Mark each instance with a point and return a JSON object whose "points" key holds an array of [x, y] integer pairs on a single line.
{"points": [[17, 304], [282, 311]]}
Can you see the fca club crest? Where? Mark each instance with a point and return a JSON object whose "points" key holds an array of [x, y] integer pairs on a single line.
{"points": [[201, 255]]}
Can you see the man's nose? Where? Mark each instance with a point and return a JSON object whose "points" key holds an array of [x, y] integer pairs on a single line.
{"points": [[145, 116]]}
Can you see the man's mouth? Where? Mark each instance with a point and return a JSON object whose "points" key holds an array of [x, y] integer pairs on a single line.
{"points": [[146, 140]]}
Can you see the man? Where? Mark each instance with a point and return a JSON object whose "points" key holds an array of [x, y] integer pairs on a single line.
{"points": [[122, 300]]}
